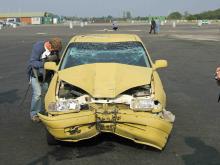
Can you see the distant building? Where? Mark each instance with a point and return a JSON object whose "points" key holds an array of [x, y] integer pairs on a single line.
{"points": [[32, 17]]}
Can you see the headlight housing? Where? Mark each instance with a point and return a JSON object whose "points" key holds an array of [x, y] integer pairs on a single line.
{"points": [[142, 104], [63, 105]]}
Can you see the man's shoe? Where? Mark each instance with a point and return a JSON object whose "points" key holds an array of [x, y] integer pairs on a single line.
{"points": [[35, 119]]}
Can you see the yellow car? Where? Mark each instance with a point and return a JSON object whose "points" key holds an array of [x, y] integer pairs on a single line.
{"points": [[107, 83]]}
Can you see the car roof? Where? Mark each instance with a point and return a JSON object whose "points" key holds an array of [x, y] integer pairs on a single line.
{"points": [[105, 38]]}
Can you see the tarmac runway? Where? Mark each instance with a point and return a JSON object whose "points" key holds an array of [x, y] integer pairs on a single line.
{"points": [[189, 83]]}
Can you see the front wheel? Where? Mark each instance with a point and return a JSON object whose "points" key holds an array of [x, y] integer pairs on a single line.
{"points": [[51, 139]]}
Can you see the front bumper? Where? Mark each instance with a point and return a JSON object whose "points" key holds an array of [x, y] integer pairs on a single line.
{"points": [[142, 127]]}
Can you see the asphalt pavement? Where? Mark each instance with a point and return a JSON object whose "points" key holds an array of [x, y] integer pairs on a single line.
{"points": [[189, 83]]}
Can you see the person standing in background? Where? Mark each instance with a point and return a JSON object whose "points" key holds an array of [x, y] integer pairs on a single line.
{"points": [[153, 26], [157, 26]]}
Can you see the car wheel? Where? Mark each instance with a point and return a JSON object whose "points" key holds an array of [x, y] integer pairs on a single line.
{"points": [[51, 139]]}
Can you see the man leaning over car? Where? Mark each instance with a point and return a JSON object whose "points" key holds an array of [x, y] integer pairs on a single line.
{"points": [[42, 51]]}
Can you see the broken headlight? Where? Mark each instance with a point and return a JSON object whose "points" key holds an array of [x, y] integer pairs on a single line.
{"points": [[142, 104], [64, 105]]}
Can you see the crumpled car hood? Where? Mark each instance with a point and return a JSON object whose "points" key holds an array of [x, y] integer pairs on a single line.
{"points": [[106, 80]]}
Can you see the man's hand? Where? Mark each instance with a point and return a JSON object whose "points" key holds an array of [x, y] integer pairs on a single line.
{"points": [[217, 73]]}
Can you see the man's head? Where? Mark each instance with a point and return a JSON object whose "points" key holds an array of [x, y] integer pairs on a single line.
{"points": [[56, 44]]}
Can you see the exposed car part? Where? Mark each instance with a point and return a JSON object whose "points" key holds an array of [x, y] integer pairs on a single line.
{"points": [[72, 99], [69, 91], [139, 91]]}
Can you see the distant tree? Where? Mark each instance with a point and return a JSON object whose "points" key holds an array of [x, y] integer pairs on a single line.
{"points": [[175, 15], [128, 15], [124, 14], [215, 14], [138, 18], [109, 17], [191, 17], [186, 14], [85, 19]]}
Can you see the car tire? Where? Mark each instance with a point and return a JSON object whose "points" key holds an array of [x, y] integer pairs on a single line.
{"points": [[51, 139]]}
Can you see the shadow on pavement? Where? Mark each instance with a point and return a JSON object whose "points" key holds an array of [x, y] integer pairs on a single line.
{"points": [[98, 145], [202, 155], [71, 152]]}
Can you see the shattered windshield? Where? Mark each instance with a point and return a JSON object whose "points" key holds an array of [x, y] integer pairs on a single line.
{"points": [[131, 53]]}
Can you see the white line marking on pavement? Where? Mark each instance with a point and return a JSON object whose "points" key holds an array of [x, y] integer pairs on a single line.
{"points": [[134, 30], [41, 33], [105, 30]]}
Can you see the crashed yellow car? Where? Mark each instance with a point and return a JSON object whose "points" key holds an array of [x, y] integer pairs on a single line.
{"points": [[107, 83]]}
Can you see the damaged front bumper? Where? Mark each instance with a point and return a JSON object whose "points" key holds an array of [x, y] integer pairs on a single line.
{"points": [[146, 128]]}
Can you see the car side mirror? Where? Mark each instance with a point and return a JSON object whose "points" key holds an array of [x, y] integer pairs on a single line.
{"points": [[50, 66], [160, 64]]}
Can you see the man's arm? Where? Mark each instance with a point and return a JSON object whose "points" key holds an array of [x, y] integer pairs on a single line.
{"points": [[35, 57]]}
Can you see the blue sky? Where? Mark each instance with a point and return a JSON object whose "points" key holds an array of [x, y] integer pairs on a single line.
{"points": [[96, 8]]}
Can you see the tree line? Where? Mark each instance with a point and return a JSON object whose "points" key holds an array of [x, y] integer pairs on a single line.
{"points": [[104, 19], [212, 15]]}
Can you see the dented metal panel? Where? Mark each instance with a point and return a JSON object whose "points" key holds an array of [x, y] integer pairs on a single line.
{"points": [[107, 79], [141, 127]]}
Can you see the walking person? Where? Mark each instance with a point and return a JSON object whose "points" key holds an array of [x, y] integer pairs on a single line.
{"points": [[42, 51], [157, 26], [153, 26]]}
